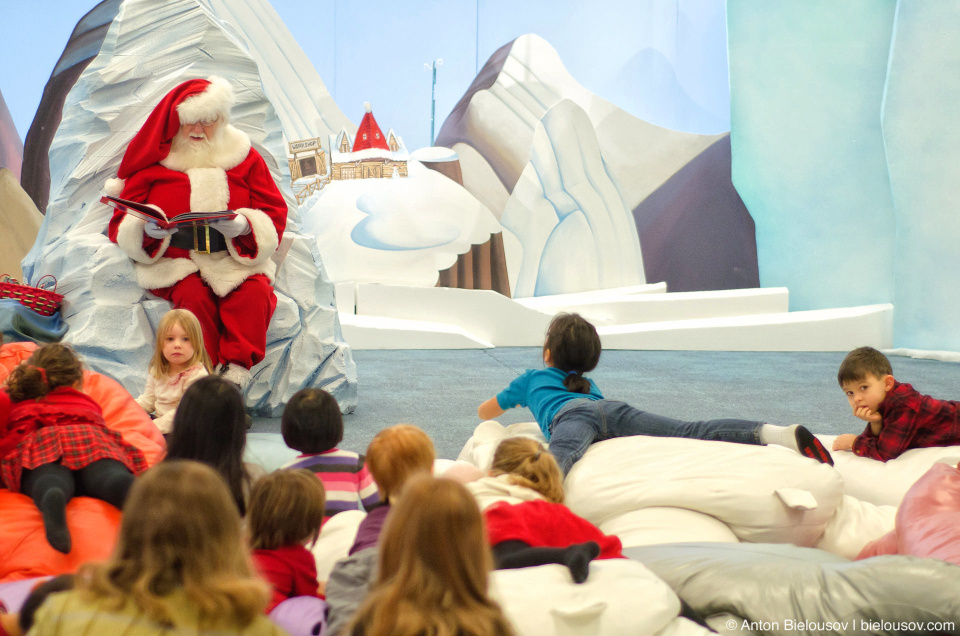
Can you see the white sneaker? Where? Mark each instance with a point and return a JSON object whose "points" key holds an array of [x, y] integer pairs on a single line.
{"points": [[236, 374]]}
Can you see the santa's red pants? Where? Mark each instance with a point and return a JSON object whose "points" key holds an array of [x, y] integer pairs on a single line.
{"points": [[234, 326]]}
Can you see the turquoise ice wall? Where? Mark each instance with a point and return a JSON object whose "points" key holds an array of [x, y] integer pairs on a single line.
{"points": [[845, 129], [921, 131]]}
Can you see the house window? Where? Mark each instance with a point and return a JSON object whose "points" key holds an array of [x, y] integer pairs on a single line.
{"points": [[364, 136]]}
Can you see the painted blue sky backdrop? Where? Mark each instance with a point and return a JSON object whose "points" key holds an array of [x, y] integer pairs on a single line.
{"points": [[662, 60]]}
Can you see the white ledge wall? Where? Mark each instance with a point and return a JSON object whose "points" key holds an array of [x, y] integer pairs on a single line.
{"points": [[816, 330], [393, 317]]}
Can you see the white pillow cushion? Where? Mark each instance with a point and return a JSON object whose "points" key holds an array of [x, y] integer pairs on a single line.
{"points": [[336, 539], [885, 483], [657, 524], [619, 597], [681, 626], [480, 447], [856, 524], [763, 493]]}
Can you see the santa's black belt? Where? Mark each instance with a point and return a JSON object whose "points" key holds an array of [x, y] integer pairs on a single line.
{"points": [[201, 238]]}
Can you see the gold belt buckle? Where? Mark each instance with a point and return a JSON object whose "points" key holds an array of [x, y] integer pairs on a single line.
{"points": [[196, 240]]}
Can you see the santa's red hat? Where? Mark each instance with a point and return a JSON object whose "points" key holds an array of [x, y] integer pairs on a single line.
{"points": [[192, 101]]}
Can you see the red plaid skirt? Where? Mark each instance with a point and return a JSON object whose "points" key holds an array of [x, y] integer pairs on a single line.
{"points": [[74, 445]]}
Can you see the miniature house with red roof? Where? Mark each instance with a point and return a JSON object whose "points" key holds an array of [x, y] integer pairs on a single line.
{"points": [[370, 155]]}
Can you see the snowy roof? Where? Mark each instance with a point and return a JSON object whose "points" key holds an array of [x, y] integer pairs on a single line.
{"points": [[435, 154]]}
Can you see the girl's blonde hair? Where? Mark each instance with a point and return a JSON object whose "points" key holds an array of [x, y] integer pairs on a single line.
{"points": [[159, 367], [50, 367], [286, 508], [397, 453], [180, 529], [434, 562], [529, 465]]}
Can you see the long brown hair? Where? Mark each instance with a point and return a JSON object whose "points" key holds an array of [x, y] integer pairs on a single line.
{"points": [[574, 347], [434, 562], [52, 366], [286, 508], [529, 465], [180, 529], [159, 366]]}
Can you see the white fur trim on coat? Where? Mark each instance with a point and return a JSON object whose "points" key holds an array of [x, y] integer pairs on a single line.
{"points": [[265, 233], [164, 272], [130, 239], [216, 100], [209, 191], [113, 187], [223, 273]]}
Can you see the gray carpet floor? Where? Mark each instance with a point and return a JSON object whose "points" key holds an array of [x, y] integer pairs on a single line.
{"points": [[439, 391]]}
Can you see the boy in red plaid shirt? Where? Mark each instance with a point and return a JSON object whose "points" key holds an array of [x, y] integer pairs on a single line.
{"points": [[898, 417]]}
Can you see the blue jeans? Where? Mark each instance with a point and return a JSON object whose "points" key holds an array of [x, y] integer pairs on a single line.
{"points": [[582, 422]]}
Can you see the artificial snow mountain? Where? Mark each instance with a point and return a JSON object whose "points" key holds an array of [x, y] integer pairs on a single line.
{"points": [[148, 49], [493, 130], [401, 231]]}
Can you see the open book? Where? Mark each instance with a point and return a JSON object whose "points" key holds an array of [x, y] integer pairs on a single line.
{"points": [[145, 212]]}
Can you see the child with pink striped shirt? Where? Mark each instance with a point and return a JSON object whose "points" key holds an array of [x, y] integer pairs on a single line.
{"points": [[313, 425]]}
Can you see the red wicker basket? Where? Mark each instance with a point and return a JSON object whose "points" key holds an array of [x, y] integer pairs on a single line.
{"points": [[40, 299]]}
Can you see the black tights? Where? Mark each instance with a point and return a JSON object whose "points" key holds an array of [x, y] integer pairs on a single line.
{"points": [[508, 555], [52, 485]]}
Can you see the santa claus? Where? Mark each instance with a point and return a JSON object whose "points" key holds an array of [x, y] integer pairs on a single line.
{"points": [[188, 158]]}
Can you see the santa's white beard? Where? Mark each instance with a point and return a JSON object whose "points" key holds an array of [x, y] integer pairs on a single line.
{"points": [[197, 153]]}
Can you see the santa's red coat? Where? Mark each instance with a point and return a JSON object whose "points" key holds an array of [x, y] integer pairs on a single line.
{"points": [[240, 181]]}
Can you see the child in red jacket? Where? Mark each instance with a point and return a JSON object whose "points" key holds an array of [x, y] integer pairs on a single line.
{"points": [[54, 442], [285, 512]]}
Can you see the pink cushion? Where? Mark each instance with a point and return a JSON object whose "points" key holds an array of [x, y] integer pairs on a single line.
{"points": [[928, 521]]}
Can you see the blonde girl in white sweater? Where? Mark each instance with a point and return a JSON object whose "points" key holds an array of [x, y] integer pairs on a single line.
{"points": [[179, 360]]}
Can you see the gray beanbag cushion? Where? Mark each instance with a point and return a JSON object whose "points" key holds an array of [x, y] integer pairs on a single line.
{"points": [[783, 589]]}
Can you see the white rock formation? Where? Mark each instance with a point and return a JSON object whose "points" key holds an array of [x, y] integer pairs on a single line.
{"points": [[496, 120], [395, 231], [572, 230], [149, 49]]}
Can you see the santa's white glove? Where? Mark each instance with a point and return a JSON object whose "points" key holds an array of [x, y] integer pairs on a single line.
{"points": [[154, 231], [237, 226]]}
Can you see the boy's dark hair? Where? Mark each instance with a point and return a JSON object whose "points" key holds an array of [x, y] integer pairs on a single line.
{"points": [[39, 594], [286, 508], [52, 366], [574, 348], [861, 362], [312, 422], [210, 426]]}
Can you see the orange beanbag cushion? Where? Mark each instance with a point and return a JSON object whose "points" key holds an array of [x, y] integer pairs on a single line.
{"points": [[24, 551], [928, 520]]}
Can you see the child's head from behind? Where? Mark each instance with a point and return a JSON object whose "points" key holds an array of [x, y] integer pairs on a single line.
{"points": [[312, 422], [211, 426], [865, 376], [434, 563], [528, 464], [572, 345], [286, 508], [397, 453], [180, 528], [179, 344], [51, 366]]}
